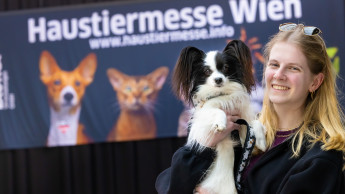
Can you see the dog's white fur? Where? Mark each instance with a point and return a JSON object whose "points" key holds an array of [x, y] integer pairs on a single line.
{"points": [[209, 118], [63, 117]]}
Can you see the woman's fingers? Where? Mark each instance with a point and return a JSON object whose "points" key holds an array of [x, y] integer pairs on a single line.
{"points": [[215, 137], [231, 125], [200, 190]]}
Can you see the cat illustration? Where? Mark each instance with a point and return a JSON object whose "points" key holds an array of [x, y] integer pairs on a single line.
{"points": [[136, 96]]}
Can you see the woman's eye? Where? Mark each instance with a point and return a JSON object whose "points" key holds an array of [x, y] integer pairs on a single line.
{"points": [[273, 65], [294, 68]]}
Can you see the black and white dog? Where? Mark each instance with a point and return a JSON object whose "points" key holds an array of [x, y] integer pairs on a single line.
{"points": [[213, 82]]}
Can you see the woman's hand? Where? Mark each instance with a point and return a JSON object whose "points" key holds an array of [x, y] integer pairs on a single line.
{"points": [[200, 190], [216, 137]]}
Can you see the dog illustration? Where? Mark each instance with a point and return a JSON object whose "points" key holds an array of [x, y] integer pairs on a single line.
{"points": [[136, 96], [65, 92], [213, 82]]}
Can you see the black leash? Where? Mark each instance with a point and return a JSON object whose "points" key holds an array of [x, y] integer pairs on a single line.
{"points": [[247, 150]]}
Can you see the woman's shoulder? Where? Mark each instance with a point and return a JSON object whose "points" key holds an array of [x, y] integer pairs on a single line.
{"points": [[316, 153]]}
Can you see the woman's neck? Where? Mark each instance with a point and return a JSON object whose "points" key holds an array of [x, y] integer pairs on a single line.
{"points": [[289, 118]]}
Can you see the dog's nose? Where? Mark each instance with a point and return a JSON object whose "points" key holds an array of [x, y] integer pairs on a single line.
{"points": [[218, 80], [68, 97]]}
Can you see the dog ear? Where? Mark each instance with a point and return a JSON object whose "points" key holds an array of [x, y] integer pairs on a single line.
{"points": [[87, 67], [182, 81], [242, 52], [48, 66]]}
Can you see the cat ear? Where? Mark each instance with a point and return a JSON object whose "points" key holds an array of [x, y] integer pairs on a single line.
{"points": [[115, 77], [48, 66], [159, 76]]}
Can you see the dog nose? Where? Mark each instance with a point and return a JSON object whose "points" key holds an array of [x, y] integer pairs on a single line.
{"points": [[68, 97], [218, 80]]}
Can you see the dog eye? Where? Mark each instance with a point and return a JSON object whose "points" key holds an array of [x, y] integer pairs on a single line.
{"points": [[225, 67], [208, 72], [77, 83], [57, 82]]}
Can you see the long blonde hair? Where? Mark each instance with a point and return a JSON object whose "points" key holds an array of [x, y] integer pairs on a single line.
{"points": [[323, 116]]}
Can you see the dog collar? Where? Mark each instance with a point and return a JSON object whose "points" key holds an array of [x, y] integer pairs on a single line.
{"points": [[200, 102]]}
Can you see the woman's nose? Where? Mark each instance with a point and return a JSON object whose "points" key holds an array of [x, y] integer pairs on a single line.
{"points": [[279, 74]]}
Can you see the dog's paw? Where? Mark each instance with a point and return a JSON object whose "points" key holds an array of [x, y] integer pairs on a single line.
{"points": [[218, 127], [260, 132], [218, 121]]}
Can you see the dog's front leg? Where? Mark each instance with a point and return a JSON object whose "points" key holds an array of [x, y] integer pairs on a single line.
{"points": [[218, 117], [220, 179], [260, 135], [205, 123]]}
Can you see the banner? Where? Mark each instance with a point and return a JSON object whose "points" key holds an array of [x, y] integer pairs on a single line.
{"points": [[102, 72]]}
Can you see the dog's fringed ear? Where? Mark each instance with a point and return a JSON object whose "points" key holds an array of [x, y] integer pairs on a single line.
{"points": [[182, 81], [241, 50]]}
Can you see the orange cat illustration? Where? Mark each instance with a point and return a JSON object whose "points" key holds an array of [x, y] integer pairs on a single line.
{"points": [[136, 96]]}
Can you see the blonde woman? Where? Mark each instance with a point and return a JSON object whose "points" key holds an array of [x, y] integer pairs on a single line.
{"points": [[303, 118]]}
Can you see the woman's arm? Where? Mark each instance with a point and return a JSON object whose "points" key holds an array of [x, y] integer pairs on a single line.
{"points": [[187, 168], [189, 164]]}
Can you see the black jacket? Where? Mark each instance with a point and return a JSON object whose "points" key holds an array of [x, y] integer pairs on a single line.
{"points": [[315, 171]]}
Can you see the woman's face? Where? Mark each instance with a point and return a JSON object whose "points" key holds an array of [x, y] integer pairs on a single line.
{"points": [[287, 76]]}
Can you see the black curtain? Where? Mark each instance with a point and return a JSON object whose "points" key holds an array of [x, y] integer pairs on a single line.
{"points": [[102, 168]]}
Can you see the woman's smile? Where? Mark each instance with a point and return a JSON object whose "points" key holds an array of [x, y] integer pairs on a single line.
{"points": [[279, 87]]}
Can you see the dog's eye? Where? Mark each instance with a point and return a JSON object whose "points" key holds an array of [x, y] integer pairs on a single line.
{"points": [[208, 72], [77, 83], [57, 82], [225, 67]]}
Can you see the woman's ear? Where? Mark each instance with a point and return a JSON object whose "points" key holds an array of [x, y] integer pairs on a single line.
{"points": [[317, 81]]}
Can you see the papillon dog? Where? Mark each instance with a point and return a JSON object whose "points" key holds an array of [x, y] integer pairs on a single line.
{"points": [[215, 82]]}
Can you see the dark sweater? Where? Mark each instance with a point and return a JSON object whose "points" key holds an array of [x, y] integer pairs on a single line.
{"points": [[315, 171]]}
